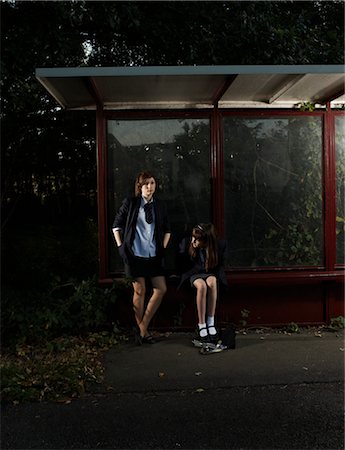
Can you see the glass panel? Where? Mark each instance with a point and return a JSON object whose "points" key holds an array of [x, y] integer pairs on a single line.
{"points": [[177, 152], [340, 171], [273, 191]]}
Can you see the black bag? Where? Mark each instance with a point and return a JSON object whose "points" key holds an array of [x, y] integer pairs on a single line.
{"points": [[228, 337]]}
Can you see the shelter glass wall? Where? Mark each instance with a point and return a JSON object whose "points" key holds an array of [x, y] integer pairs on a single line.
{"points": [[271, 182], [176, 150], [340, 183], [273, 190]]}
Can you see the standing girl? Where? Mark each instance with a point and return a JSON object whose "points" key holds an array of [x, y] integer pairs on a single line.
{"points": [[202, 259], [142, 232]]}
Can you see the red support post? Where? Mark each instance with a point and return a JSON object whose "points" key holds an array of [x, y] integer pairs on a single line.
{"points": [[329, 182], [217, 173], [101, 193]]}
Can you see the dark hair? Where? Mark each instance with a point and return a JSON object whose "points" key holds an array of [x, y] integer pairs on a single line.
{"points": [[206, 234], [140, 181]]}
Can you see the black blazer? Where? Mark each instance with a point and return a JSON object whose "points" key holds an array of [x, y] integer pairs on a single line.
{"points": [[189, 266], [126, 219]]}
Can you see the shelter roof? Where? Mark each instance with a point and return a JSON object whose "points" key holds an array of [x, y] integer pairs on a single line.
{"points": [[156, 87]]}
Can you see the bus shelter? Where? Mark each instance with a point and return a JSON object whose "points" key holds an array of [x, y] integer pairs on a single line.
{"points": [[257, 150]]}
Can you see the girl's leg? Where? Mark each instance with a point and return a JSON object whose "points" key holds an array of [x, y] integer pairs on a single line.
{"points": [[212, 295], [139, 288], [201, 295], [159, 290], [211, 304]]}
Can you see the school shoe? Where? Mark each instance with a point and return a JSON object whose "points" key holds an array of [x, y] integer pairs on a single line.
{"points": [[213, 338], [149, 339], [200, 341]]}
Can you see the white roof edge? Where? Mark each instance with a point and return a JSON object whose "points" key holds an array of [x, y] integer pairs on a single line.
{"points": [[235, 105], [61, 72]]}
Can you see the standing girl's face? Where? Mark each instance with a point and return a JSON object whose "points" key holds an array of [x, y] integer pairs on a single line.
{"points": [[148, 188]]}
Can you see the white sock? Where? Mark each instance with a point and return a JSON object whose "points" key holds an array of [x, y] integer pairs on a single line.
{"points": [[202, 332], [210, 325]]}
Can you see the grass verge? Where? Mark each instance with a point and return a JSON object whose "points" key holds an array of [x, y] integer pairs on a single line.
{"points": [[58, 370]]}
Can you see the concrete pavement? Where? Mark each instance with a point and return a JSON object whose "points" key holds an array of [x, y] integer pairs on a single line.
{"points": [[274, 391], [259, 359]]}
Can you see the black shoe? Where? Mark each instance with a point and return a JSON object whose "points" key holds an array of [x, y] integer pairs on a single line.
{"points": [[148, 339], [203, 339], [213, 338]]}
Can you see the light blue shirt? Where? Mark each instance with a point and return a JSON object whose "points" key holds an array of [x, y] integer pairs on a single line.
{"points": [[144, 244]]}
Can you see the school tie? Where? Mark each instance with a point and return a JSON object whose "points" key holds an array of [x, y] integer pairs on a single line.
{"points": [[148, 212]]}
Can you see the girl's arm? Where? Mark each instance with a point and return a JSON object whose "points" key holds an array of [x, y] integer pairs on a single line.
{"points": [[119, 221], [166, 239], [117, 236]]}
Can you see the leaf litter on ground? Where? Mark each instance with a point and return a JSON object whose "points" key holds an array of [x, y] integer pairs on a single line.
{"points": [[59, 370]]}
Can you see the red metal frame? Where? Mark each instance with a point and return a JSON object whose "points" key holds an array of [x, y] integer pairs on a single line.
{"points": [[329, 183], [276, 272], [217, 175], [334, 114], [101, 193], [105, 276]]}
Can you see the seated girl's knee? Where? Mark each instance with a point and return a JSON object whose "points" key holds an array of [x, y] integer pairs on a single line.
{"points": [[200, 285], [211, 282]]}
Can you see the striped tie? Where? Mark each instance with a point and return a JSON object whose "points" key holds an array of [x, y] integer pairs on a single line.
{"points": [[148, 212]]}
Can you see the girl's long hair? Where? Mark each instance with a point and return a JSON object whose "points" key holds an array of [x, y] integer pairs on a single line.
{"points": [[206, 234]]}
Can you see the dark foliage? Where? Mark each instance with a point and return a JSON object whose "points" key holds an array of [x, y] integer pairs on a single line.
{"points": [[48, 155]]}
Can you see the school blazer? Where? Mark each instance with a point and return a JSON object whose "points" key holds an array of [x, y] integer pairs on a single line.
{"points": [[189, 266], [126, 219]]}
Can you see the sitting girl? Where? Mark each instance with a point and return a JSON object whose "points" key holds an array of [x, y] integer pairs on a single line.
{"points": [[201, 261]]}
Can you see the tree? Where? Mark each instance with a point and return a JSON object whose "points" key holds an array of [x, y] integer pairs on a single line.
{"points": [[48, 155]]}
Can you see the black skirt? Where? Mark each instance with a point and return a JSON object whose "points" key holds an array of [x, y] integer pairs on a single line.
{"points": [[145, 267], [203, 276]]}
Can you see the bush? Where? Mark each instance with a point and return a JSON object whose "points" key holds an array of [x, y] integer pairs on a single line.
{"points": [[337, 323], [71, 308], [48, 282]]}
